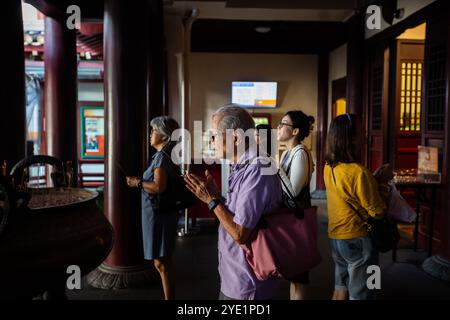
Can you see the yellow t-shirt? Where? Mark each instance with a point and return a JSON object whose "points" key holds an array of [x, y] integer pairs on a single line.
{"points": [[356, 185]]}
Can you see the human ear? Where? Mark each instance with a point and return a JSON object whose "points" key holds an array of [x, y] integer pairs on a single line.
{"points": [[236, 140]]}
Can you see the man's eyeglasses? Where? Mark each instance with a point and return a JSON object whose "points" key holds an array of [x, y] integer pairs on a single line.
{"points": [[281, 124]]}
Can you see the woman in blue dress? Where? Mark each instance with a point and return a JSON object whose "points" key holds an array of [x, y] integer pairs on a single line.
{"points": [[159, 226]]}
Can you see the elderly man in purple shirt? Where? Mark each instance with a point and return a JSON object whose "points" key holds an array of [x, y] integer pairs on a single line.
{"points": [[252, 193]]}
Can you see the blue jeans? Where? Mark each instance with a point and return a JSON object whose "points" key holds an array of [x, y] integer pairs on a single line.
{"points": [[351, 258]]}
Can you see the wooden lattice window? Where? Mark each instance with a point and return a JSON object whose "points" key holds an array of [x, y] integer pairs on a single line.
{"points": [[377, 97], [410, 95], [435, 114]]}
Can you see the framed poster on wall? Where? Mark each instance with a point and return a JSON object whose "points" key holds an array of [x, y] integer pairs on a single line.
{"points": [[92, 129]]}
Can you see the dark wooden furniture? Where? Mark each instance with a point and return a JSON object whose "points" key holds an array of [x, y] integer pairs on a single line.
{"points": [[420, 190]]}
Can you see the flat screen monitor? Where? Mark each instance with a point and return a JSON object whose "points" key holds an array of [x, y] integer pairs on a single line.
{"points": [[254, 94]]}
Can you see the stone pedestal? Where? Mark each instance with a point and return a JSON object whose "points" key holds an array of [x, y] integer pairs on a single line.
{"points": [[438, 267]]}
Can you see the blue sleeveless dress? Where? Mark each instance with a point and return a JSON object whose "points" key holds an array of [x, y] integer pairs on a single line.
{"points": [[158, 229]]}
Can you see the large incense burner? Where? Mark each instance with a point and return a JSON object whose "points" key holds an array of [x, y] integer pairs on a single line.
{"points": [[43, 232]]}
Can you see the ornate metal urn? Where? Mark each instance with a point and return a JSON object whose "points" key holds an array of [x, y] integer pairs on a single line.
{"points": [[44, 231]]}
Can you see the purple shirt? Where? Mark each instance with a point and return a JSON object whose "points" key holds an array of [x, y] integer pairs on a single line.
{"points": [[250, 195]]}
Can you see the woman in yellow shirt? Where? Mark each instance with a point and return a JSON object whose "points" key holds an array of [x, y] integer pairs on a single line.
{"points": [[350, 186]]}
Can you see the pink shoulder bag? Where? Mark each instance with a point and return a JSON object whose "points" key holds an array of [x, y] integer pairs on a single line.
{"points": [[284, 244]]}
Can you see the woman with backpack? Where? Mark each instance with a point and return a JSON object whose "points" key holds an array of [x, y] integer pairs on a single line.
{"points": [[159, 225], [296, 168], [352, 195]]}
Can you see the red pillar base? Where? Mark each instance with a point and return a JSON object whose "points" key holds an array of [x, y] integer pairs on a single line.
{"points": [[113, 277]]}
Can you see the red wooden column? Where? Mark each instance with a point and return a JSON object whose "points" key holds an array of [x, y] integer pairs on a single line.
{"points": [[355, 64], [12, 91], [126, 52], [322, 122], [60, 91], [155, 69], [438, 265]]}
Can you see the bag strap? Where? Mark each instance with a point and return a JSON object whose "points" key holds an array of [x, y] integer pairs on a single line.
{"points": [[177, 169], [307, 186], [301, 212], [350, 205], [307, 154], [285, 186]]}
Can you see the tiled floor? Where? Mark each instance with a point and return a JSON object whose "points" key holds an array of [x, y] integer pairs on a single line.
{"points": [[197, 276]]}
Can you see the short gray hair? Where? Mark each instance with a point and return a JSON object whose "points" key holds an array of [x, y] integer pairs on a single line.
{"points": [[232, 116], [165, 126]]}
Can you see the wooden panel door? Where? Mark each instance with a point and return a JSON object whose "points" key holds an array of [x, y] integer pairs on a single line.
{"points": [[408, 102], [377, 106]]}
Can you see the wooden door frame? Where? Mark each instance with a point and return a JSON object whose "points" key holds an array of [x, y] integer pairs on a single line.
{"points": [[388, 38], [382, 49], [338, 91]]}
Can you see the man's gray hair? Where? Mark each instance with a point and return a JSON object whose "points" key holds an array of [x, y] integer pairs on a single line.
{"points": [[232, 116], [165, 126]]}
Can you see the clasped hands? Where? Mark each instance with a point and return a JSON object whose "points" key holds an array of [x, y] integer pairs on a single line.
{"points": [[204, 188], [133, 181]]}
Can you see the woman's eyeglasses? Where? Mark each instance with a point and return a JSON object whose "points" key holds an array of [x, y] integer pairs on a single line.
{"points": [[281, 124]]}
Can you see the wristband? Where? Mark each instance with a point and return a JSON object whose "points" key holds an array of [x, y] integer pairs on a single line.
{"points": [[213, 204]]}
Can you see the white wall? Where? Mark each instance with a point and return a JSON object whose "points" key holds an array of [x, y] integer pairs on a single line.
{"points": [[211, 75], [337, 68]]}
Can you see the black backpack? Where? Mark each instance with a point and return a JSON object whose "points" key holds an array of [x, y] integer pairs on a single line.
{"points": [[177, 196]]}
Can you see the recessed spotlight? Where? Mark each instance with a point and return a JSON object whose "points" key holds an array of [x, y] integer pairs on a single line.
{"points": [[263, 29]]}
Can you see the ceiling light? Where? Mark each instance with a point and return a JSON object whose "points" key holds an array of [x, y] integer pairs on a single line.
{"points": [[262, 29]]}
